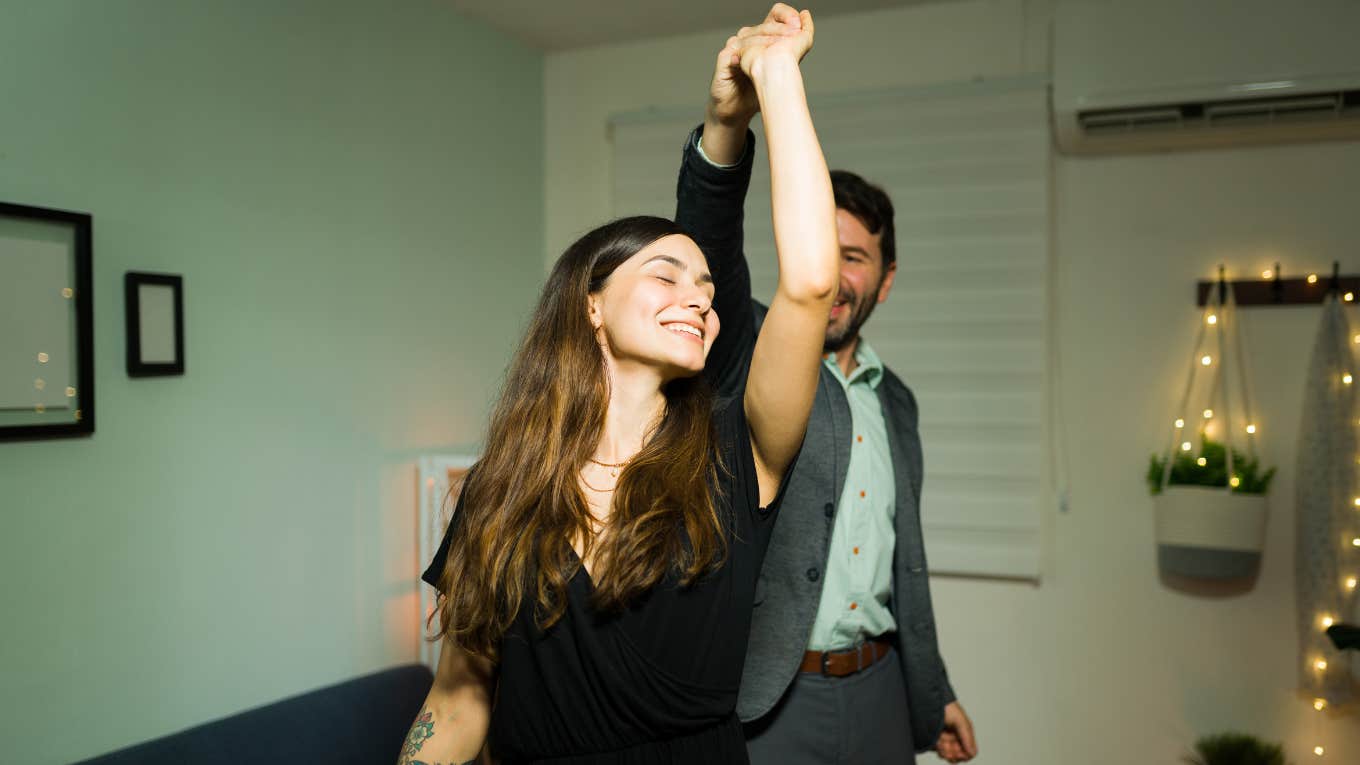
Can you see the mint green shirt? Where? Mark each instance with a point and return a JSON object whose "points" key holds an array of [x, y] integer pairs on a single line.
{"points": [[858, 578]]}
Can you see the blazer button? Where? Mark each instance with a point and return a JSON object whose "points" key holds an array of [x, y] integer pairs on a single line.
{"points": [[812, 574], [829, 509]]}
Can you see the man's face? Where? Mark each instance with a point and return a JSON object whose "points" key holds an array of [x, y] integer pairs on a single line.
{"points": [[864, 281]]}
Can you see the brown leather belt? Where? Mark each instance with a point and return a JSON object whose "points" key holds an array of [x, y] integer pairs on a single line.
{"points": [[842, 663]]}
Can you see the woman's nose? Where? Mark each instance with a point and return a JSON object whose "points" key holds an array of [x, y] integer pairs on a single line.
{"points": [[700, 301]]}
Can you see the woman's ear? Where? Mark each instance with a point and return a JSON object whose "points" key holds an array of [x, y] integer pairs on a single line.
{"points": [[593, 307]]}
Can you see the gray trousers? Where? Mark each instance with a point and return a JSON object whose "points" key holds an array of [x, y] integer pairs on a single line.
{"points": [[856, 720]]}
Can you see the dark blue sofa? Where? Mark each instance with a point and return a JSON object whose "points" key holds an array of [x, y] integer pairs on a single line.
{"points": [[361, 721]]}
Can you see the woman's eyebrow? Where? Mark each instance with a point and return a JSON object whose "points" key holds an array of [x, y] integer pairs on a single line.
{"points": [[704, 278]]}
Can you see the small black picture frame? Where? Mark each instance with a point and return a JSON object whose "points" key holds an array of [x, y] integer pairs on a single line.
{"points": [[46, 279], [155, 324]]}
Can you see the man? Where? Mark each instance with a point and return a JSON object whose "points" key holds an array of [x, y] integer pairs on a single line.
{"points": [[843, 664]]}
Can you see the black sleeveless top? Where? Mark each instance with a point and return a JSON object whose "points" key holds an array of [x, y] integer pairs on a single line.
{"points": [[656, 683]]}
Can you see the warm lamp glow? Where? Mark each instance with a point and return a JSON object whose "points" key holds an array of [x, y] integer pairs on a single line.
{"points": [[1327, 621], [1312, 278], [1319, 704], [1213, 319], [1251, 428], [1201, 462], [1266, 274], [1351, 582], [1320, 664], [1206, 360], [1235, 482]]}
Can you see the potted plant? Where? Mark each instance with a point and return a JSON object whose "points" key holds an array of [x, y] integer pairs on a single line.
{"points": [[1235, 749], [1210, 525]]}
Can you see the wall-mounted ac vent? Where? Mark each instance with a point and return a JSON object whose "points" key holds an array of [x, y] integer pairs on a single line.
{"points": [[1265, 110], [1163, 75]]}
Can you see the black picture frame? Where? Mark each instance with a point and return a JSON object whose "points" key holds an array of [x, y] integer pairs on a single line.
{"points": [[82, 251], [137, 365]]}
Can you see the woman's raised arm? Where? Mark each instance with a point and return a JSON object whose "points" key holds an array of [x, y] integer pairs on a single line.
{"points": [[784, 365]]}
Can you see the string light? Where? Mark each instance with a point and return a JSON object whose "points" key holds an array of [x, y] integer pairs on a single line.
{"points": [[1312, 278], [1348, 297], [1357, 501], [1320, 665], [1318, 750], [1355, 542], [1206, 360], [1327, 621], [1180, 423], [1350, 583], [1201, 462], [1235, 482], [1185, 446], [1319, 704], [1213, 319], [1251, 428], [1356, 339], [1208, 414], [1346, 378], [1266, 274]]}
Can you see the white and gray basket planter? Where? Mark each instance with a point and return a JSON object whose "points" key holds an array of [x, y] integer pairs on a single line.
{"points": [[1205, 532]]}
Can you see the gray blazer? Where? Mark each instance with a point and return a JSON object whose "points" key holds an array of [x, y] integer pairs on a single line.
{"points": [[709, 202]]}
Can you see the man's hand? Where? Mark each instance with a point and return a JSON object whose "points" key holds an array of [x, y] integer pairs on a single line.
{"points": [[732, 101], [956, 742]]}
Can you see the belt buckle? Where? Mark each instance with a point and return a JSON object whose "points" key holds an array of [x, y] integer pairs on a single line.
{"points": [[826, 663]]}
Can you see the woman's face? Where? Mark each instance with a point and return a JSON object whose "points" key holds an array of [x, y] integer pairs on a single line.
{"points": [[657, 308]]}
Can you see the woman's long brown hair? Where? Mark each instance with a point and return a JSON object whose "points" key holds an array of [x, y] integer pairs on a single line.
{"points": [[522, 502]]}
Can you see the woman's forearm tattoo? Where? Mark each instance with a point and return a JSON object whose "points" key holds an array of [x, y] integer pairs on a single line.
{"points": [[421, 731]]}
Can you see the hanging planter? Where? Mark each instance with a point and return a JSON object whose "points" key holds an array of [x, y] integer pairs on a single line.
{"points": [[1206, 528], [1209, 497]]}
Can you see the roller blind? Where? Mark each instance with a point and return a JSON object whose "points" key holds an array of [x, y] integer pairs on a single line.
{"points": [[966, 327]]}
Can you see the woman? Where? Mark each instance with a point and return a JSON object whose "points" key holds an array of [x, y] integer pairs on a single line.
{"points": [[600, 567]]}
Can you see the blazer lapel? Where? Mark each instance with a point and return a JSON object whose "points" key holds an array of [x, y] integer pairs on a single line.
{"points": [[839, 407]]}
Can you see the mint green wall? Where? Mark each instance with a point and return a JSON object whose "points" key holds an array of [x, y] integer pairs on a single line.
{"points": [[353, 192]]}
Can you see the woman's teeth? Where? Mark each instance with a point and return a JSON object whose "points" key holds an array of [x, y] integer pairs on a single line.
{"points": [[685, 328]]}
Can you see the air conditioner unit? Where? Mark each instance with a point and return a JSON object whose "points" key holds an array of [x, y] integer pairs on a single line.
{"points": [[1156, 75]]}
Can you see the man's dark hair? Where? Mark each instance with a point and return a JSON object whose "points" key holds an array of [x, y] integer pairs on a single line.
{"points": [[870, 204]]}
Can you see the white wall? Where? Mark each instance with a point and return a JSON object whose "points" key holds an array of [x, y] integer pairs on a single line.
{"points": [[1100, 663], [355, 279]]}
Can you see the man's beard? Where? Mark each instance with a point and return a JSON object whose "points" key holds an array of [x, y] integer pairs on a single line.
{"points": [[840, 335]]}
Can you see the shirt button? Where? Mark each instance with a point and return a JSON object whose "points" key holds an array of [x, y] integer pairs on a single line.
{"points": [[861, 494], [855, 550], [829, 509], [853, 606], [812, 574], [859, 439]]}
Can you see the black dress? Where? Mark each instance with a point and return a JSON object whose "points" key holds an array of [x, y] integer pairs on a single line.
{"points": [[655, 684]]}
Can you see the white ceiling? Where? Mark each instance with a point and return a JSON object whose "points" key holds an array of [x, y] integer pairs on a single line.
{"points": [[555, 26]]}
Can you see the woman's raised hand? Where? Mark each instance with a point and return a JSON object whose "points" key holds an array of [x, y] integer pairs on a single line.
{"points": [[786, 33]]}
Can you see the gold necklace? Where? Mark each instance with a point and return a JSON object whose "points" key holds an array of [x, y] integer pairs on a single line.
{"points": [[596, 488], [613, 466]]}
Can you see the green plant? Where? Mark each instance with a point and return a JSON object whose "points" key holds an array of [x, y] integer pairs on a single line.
{"points": [[1235, 749], [1186, 470]]}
